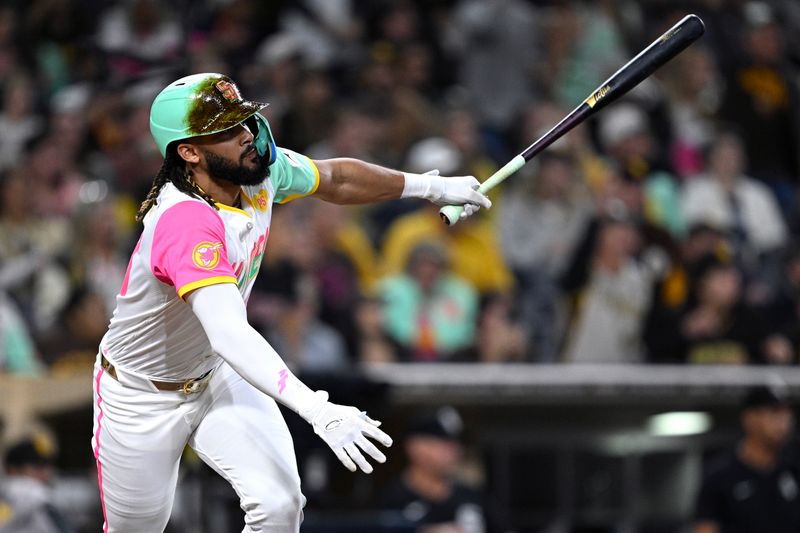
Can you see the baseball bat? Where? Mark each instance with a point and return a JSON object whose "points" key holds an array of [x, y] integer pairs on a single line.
{"points": [[674, 40]]}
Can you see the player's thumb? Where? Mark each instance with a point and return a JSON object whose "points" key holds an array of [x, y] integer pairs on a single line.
{"points": [[480, 199], [375, 423]]}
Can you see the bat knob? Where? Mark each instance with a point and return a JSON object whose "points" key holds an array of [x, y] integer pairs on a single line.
{"points": [[450, 214]]}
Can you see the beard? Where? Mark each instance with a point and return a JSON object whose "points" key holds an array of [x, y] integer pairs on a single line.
{"points": [[221, 168]]}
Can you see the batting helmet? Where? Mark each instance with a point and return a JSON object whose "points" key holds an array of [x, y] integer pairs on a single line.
{"points": [[202, 104]]}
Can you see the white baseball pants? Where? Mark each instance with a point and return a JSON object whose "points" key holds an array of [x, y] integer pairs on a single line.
{"points": [[238, 431]]}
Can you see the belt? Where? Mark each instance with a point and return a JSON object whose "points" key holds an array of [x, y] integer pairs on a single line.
{"points": [[189, 386]]}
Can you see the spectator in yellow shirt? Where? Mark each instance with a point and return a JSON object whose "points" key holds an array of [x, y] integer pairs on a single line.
{"points": [[471, 245]]}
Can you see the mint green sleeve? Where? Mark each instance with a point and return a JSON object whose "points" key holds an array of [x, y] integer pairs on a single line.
{"points": [[400, 309], [662, 203], [293, 175], [16, 347]]}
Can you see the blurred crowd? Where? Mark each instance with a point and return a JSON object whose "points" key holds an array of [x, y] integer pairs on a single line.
{"points": [[663, 230]]}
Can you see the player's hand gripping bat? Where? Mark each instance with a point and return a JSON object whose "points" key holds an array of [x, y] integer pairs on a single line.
{"points": [[675, 40]]}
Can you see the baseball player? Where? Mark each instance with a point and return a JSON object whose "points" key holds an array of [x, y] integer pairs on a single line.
{"points": [[180, 364]]}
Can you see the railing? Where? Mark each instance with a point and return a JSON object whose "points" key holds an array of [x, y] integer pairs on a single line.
{"points": [[532, 383], [25, 399]]}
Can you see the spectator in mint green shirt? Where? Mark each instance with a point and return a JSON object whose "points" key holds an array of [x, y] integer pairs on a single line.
{"points": [[430, 312], [17, 352]]}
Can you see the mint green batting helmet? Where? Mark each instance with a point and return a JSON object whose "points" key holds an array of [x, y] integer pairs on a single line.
{"points": [[202, 104]]}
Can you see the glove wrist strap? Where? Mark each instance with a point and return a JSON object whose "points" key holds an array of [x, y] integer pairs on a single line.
{"points": [[416, 186], [313, 406]]}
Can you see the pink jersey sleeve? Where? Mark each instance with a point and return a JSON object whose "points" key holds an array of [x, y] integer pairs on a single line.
{"points": [[188, 249]]}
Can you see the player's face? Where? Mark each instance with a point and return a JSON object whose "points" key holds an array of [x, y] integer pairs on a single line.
{"points": [[778, 425], [231, 156], [436, 455], [772, 425]]}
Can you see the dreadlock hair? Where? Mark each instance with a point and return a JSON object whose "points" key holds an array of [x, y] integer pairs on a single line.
{"points": [[173, 170]]}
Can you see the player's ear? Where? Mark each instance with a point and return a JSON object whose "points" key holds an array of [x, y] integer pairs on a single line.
{"points": [[188, 152]]}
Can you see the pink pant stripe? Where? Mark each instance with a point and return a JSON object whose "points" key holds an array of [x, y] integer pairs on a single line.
{"points": [[97, 449]]}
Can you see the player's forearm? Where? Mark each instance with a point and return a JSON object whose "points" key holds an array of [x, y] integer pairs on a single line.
{"points": [[222, 313], [351, 181]]}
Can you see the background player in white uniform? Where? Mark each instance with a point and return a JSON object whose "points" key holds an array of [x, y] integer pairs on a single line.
{"points": [[180, 364]]}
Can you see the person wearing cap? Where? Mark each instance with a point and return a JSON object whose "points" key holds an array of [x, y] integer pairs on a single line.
{"points": [[180, 364], [25, 499], [757, 488], [428, 494]]}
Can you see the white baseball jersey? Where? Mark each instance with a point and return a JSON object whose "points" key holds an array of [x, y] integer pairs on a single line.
{"points": [[186, 244]]}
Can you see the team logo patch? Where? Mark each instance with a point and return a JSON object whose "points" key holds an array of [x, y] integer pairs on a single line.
{"points": [[228, 90], [206, 254], [261, 201]]}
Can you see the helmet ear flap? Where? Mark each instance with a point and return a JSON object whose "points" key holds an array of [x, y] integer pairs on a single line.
{"points": [[262, 138]]}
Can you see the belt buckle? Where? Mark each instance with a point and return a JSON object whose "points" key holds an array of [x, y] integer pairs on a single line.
{"points": [[193, 386], [106, 365]]}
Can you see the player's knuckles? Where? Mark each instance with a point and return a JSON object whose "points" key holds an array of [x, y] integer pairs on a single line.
{"points": [[475, 198]]}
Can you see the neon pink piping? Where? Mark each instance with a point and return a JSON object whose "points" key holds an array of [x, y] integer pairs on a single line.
{"points": [[124, 290], [97, 450]]}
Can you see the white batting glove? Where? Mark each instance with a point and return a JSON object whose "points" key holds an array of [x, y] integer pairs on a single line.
{"points": [[345, 429], [468, 211], [458, 190]]}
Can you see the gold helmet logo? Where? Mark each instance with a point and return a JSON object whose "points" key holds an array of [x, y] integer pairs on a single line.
{"points": [[229, 90]]}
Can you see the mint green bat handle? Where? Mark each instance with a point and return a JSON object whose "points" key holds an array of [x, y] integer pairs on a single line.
{"points": [[451, 213]]}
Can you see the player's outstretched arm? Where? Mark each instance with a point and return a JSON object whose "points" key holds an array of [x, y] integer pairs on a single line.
{"points": [[351, 181], [345, 429]]}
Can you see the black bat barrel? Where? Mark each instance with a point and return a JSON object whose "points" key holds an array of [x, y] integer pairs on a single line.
{"points": [[674, 40]]}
